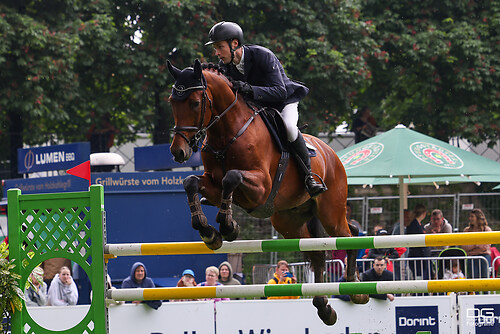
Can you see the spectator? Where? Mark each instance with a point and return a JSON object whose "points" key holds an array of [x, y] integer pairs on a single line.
{"points": [[211, 274], [396, 229], [62, 291], [379, 273], [400, 268], [226, 274], [187, 280], [454, 272], [420, 268], [378, 227], [391, 253], [36, 295], [437, 224], [342, 279], [364, 126], [139, 279], [478, 223], [348, 212], [283, 276], [354, 222]]}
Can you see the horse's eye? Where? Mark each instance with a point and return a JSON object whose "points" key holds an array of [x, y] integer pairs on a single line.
{"points": [[195, 104]]}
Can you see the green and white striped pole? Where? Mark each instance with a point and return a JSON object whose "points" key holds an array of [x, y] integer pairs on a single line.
{"points": [[312, 244]]}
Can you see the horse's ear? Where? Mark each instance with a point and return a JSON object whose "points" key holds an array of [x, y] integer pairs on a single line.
{"points": [[197, 68], [173, 70]]}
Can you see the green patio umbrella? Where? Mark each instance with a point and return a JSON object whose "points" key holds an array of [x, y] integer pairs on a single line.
{"points": [[403, 154]]}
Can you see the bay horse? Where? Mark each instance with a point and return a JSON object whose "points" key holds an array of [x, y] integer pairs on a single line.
{"points": [[240, 163]]}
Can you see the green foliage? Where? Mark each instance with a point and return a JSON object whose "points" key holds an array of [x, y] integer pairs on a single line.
{"points": [[10, 293], [442, 72]]}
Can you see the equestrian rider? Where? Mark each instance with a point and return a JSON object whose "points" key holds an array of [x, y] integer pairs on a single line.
{"points": [[256, 73]]}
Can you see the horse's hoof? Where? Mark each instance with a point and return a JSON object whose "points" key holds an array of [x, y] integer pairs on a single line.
{"points": [[328, 315], [214, 242], [360, 299], [231, 236]]}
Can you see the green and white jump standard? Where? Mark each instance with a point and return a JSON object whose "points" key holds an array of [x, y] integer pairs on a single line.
{"points": [[304, 245], [305, 289]]}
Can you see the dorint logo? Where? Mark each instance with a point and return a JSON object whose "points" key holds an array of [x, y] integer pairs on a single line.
{"points": [[436, 155], [413, 319], [362, 155]]}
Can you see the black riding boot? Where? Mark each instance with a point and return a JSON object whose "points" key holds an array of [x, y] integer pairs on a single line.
{"points": [[299, 146]]}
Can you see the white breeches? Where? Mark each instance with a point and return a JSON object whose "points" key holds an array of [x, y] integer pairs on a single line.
{"points": [[290, 115]]}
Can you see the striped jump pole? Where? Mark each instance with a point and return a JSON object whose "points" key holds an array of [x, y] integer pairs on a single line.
{"points": [[305, 289], [312, 244]]}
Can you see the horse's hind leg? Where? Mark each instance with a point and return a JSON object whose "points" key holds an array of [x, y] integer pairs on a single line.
{"points": [[228, 227], [210, 236], [352, 269], [325, 312]]}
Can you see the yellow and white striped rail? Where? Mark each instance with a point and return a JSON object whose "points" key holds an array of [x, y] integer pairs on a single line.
{"points": [[306, 289]]}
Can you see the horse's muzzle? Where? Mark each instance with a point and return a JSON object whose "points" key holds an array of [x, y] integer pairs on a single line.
{"points": [[181, 153]]}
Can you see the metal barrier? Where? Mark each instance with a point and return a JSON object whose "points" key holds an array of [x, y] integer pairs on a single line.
{"points": [[438, 268], [384, 210]]}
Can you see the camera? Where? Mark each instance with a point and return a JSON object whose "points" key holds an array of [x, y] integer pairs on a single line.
{"points": [[289, 274]]}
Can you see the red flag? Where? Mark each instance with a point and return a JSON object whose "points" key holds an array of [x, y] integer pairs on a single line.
{"points": [[82, 170]]}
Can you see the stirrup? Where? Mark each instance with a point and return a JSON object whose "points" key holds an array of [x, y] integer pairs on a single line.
{"points": [[316, 188]]}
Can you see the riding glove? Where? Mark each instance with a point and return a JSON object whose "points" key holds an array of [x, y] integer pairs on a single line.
{"points": [[243, 88]]}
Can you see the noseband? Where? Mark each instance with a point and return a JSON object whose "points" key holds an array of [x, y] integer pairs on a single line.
{"points": [[200, 130]]}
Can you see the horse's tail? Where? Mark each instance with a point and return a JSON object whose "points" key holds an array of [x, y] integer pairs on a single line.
{"points": [[315, 228]]}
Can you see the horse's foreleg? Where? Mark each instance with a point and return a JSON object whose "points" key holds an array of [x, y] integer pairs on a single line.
{"points": [[325, 312], [352, 270], [210, 236], [228, 227]]}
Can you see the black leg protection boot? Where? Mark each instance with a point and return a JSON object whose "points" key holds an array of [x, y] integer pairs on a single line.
{"points": [[299, 147]]}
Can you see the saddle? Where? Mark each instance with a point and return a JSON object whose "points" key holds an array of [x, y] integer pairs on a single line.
{"points": [[277, 129]]}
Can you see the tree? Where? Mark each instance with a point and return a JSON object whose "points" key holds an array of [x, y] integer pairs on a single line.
{"points": [[442, 72]]}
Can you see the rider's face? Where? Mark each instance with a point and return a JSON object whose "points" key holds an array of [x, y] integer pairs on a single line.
{"points": [[222, 51]]}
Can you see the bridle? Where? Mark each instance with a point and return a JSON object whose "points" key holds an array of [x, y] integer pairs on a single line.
{"points": [[200, 130]]}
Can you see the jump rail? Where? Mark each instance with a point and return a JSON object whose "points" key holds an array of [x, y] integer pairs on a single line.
{"points": [[313, 244], [305, 289]]}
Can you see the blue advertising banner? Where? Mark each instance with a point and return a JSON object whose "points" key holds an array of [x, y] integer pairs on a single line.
{"points": [[158, 157], [112, 182], [43, 185], [56, 157], [142, 182], [414, 319]]}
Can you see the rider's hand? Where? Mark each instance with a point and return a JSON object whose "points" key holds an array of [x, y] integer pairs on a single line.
{"points": [[243, 88]]}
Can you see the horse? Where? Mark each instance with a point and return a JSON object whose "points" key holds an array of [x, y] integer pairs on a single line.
{"points": [[240, 164]]}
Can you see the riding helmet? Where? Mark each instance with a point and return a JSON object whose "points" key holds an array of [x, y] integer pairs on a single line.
{"points": [[224, 31]]}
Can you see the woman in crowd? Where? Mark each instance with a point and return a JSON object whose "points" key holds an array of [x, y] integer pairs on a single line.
{"points": [[63, 290], [211, 274], [476, 268], [187, 280]]}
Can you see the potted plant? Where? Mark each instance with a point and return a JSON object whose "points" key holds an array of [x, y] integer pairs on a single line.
{"points": [[10, 293]]}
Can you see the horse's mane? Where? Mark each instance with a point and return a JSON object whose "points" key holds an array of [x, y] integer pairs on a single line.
{"points": [[216, 70]]}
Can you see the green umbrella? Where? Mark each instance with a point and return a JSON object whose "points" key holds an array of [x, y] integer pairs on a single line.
{"points": [[403, 154]]}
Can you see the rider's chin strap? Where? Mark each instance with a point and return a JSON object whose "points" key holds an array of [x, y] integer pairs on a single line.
{"points": [[232, 50]]}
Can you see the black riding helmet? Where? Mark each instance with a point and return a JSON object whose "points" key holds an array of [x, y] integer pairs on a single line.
{"points": [[225, 31]]}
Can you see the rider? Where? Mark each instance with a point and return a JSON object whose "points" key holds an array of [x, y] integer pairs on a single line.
{"points": [[257, 74]]}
